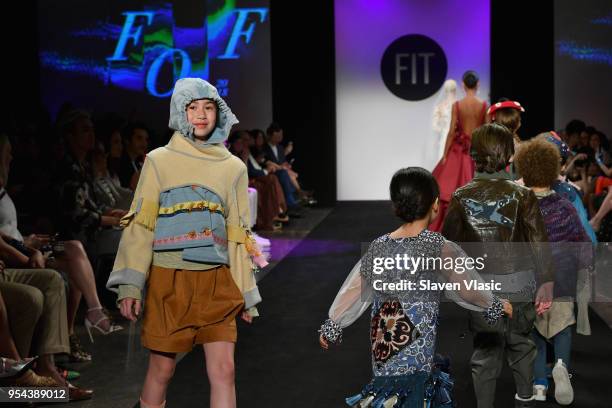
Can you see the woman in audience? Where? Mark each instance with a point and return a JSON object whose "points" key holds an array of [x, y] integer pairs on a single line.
{"points": [[80, 214], [110, 135], [600, 145], [136, 144], [107, 188]]}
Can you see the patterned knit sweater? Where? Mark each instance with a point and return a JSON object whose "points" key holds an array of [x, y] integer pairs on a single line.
{"points": [[570, 245]]}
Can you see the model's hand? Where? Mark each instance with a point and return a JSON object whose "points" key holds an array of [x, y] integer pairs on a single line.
{"points": [[543, 299], [116, 212], [323, 342], [130, 308], [507, 307], [108, 221], [246, 317]]}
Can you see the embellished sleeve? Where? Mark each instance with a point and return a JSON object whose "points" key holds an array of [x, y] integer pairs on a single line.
{"points": [[468, 286], [244, 255], [135, 251], [352, 300]]}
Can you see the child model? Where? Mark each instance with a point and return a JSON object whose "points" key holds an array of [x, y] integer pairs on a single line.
{"points": [[404, 322], [500, 215], [538, 161], [186, 239]]}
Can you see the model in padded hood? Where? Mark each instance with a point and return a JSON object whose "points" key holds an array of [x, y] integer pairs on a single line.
{"points": [[186, 238], [188, 90]]}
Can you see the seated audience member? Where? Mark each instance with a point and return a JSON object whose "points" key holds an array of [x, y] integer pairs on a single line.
{"points": [[584, 144], [601, 148], [107, 187], [33, 322], [573, 130], [276, 153], [30, 180], [538, 162], [71, 258], [80, 216], [136, 143], [259, 153], [270, 203], [110, 135]]}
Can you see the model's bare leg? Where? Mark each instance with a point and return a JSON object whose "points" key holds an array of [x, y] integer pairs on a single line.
{"points": [[159, 374], [220, 370]]}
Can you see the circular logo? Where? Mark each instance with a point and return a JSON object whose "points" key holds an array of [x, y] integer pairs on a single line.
{"points": [[413, 67]]}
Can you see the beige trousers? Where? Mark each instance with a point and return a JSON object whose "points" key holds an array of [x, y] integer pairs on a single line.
{"points": [[36, 303]]}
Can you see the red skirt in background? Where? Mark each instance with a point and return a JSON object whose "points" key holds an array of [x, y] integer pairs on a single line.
{"points": [[455, 172]]}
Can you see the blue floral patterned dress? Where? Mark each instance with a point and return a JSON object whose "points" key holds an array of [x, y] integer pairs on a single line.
{"points": [[406, 371]]}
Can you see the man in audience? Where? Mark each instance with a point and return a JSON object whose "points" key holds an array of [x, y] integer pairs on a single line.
{"points": [[271, 204], [573, 130]]}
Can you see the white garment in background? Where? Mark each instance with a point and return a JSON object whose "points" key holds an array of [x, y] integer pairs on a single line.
{"points": [[274, 150], [256, 165], [441, 119], [253, 206], [8, 216]]}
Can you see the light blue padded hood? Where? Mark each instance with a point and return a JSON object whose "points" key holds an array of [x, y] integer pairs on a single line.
{"points": [[187, 90]]}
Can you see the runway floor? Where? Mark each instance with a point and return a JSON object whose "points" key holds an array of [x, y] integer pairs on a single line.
{"points": [[278, 360]]}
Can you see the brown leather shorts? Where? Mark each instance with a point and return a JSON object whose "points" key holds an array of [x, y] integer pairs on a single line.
{"points": [[184, 307]]}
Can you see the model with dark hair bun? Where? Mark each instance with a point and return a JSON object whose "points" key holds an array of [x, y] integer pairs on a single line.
{"points": [[404, 319], [456, 167]]}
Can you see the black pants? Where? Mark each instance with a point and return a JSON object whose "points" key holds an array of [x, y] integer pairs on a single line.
{"points": [[509, 339]]}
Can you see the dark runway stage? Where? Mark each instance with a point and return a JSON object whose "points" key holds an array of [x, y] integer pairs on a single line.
{"points": [[278, 360]]}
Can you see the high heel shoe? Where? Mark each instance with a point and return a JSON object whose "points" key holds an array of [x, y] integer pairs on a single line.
{"points": [[11, 368], [111, 327]]}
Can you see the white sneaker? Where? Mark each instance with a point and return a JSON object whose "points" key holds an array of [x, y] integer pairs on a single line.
{"points": [[539, 392], [564, 393], [523, 402]]}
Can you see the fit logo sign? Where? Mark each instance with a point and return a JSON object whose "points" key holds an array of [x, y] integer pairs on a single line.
{"points": [[413, 67]]}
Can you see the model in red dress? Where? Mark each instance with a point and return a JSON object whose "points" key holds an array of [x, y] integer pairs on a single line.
{"points": [[456, 168]]}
